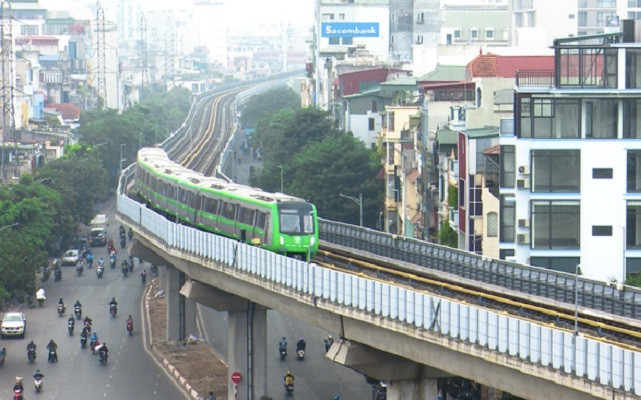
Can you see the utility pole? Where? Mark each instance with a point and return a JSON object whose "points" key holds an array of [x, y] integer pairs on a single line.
{"points": [[100, 53], [6, 65]]}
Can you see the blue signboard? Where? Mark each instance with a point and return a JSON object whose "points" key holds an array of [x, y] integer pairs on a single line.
{"points": [[349, 29]]}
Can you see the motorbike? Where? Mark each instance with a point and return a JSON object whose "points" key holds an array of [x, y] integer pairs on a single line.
{"points": [[283, 354], [31, 356], [38, 384], [89, 260], [2, 355], [110, 246], [130, 327], [57, 275], [83, 341], [112, 262], [154, 270], [125, 270], [53, 356], [113, 310], [61, 310], [17, 394], [93, 345], [123, 242], [300, 354], [78, 311], [143, 277], [103, 358], [88, 326], [99, 271], [79, 269], [130, 234], [70, 326], [289, 388], [131, 264]]}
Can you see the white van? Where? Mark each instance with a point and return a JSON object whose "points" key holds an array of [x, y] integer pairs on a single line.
{"points": [[99, 220]]}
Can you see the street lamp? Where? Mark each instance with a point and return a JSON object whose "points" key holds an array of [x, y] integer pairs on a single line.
{"points": [[358, 201], [121, 159], [281, 178]]}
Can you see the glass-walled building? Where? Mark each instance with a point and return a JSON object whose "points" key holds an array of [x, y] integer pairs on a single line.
{"points": [[571, 167]]}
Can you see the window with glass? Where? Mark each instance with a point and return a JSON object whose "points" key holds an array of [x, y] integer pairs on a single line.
{"points": [[461, 193], [606, 3], [474, 33], [489, 33], [561, 264], [601, 118], [518, 19], [457, 33], [633, 225], [631, 119], [587, 67], [556, 224], [507, 217], [492, 224], [556, 171], [347, 40], [634, 171], [634, 3], [334, 40], [550, 118], [633, 66], [507, 162]]}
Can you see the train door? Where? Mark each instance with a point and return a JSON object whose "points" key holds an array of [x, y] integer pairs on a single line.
{"points": [[260, 227], [195, 206], [227, 224]]}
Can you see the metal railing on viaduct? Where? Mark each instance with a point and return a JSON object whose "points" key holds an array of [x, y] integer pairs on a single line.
{"points": [[583, 364]]}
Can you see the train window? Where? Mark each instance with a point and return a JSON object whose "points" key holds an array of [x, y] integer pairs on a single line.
{"points": [[163, 189], [211, 206], [184, 196], [229, 211], [172, 192], [260, 220], [246, 216], [195, 201]]}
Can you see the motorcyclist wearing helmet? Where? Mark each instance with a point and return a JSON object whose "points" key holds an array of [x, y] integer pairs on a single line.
{"points": [[38, 375], [113, 302], [52, 347], [31, 346], [71, 321], [328, 343], [282, 345], [300, 345], [289, 378], [18, 385], [61, 302]]}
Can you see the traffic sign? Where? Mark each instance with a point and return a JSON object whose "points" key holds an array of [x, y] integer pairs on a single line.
{"points": [[236, 377]]}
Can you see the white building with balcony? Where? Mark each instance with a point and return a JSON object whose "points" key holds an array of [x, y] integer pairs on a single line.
{"points": [[571, 172]]}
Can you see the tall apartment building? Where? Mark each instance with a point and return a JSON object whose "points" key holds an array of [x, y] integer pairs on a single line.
{"points": [[571, 169], [536, 23]]}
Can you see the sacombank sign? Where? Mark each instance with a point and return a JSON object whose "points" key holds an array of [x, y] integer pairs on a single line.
{"points": [[349, 29]]}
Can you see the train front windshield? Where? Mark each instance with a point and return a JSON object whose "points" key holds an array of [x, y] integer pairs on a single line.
{"points": [[296, 218]]}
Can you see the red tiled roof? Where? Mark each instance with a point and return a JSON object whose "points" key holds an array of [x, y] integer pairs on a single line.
{"points": [[67, 110], [492, 150], [51, 40], [496, 66]]}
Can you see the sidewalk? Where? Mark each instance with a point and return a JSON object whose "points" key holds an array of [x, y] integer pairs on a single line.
{"points": [[194, 366]]}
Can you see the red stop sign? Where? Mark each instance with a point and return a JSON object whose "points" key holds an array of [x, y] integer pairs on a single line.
{"points": [[236, 377]]}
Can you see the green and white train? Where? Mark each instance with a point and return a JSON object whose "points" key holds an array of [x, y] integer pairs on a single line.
{"points": [[274, 221]]}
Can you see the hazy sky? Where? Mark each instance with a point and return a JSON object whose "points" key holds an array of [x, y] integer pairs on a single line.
{"points": [[300, 12]]}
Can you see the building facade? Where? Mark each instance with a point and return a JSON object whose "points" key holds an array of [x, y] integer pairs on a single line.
{"points": [[571, 169]]}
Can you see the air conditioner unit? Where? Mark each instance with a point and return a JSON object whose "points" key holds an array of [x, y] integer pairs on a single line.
{"points": [[523, 238], [510, 259], [523, 183], [524, 223], [524, 169]]}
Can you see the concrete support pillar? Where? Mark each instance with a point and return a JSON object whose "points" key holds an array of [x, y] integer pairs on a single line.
{"points": [[419, 389], [191, 327], [247, 352], [171, 278]]}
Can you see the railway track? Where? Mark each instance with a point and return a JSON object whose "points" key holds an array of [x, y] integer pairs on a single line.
{"points": [[201, 148]]}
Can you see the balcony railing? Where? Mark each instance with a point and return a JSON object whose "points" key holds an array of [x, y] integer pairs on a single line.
{"points": [[535, 79]]}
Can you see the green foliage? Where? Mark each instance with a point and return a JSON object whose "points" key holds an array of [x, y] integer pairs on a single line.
{"points": [[267, 104], [633, 280], [447, 236], [148, 123], [319, 163], [452, 196]]}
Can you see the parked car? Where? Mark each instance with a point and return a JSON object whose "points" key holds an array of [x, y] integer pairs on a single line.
{"points": [[98, 237], [13, 324], [71, 257]]}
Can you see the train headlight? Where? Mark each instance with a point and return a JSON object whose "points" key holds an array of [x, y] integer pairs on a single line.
{"points": [[312, 240], [282, 241]]}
